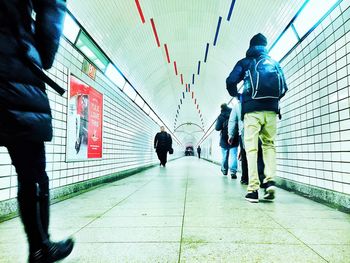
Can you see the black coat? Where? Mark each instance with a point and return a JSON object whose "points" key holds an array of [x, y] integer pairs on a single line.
{"points": [[237, 75], [24, 107], [162, 141], [222, 126]]}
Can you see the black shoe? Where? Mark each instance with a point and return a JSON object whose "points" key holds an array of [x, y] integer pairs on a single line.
{"points": [[233, 176], [224, 172], [244, 182], [53, 252], [252, 197], [270, 190]]}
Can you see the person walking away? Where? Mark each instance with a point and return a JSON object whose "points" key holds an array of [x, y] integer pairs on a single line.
{"points": [[235, 117], [25, 114], [229, 152], [264, 85], [162, 144], [199, 150]]}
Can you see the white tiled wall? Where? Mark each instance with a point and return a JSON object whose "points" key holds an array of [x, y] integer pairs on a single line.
{"points": [[127, 131], [313, 142], [314, 135]]}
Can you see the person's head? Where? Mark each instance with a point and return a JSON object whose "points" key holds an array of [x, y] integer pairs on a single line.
{"points": [[258, 40], [224, 107], [162, 128]]}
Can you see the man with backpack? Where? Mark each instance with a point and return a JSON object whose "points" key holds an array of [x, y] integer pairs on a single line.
{"points": [[227, 149], [264, 85]]}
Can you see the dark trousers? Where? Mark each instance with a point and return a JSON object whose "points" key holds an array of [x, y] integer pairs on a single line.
{"points": [[33, 190], [162, 156], [199, 155], [261, 166]]}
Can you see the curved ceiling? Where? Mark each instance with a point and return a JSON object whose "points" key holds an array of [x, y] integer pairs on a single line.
{"points": [[145, 37]]}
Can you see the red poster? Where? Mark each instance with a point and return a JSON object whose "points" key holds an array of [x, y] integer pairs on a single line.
{"points": [[84, 124], [95, 124]]}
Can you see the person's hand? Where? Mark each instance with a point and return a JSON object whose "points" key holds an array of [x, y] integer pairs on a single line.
{"points": [[230, 141], [239, 156]]}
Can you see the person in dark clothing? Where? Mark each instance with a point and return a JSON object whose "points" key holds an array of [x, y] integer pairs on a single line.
{"points": [[260, 106], [229, 151], [243, 157], [162, 144], [25, 114], [199, 150]]}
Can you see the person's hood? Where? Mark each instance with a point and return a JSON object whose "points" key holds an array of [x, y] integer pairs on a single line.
{"points": [[226, 112], [256, 51]]}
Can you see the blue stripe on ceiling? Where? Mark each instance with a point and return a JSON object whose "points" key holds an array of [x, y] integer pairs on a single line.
{"points": [[199, 67], [206, 53], [193, 79], [217, 30], [231, 9], [183, 94]]}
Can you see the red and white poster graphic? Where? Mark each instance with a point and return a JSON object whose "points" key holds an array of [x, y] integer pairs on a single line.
{"points": [[84, 122]]}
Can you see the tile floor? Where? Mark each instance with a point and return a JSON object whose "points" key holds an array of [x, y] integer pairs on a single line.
{"points": [[188, 212]]}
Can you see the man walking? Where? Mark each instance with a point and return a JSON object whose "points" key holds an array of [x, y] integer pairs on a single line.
{"points": [[229, 151], [199, 150], [162, 144], [264, 86]]}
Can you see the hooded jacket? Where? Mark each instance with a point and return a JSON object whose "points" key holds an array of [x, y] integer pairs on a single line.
{"points": [[24, 107], [222, 126], [238, 74]]}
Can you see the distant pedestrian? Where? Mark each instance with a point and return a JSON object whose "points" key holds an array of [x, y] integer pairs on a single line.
{"points": [[199, 150], [229, 151], [264, 85], [162, 144]]}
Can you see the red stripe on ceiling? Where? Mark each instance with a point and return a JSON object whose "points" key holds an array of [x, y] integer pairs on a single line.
{"points": [[182, 79], [197, 106], [140, 11], [155, 32], [175, 67], [167, 52], [192, 94], [195, 101]]}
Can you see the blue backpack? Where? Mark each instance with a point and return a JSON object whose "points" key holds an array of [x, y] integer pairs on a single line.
{"points": [[264, 79]]}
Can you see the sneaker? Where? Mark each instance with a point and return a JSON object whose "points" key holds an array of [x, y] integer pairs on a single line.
{"points": [[244, 182], [252, 197], [224, 172], [233, 176], [270, 190], [53, 252]]}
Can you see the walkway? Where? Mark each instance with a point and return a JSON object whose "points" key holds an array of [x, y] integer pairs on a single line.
{"points": [[189, 212]]}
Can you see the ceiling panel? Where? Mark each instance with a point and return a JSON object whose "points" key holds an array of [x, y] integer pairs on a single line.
{"points": [[185, 26]]}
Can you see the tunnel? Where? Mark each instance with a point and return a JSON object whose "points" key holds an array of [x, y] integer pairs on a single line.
{"points": [[132, 68]]}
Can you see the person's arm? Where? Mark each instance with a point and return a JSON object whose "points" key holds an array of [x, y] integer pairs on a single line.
{"points": [[232, 123], [285, 88], [236, 76], [218, 124], [156, 141], [170, 141], [48, 28]]}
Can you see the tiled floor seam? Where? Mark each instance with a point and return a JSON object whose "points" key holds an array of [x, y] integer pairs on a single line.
{"points": [[98, 217], [286, 229], [183, 219]]}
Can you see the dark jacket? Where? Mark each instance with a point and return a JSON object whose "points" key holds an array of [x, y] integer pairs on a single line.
{"points": [[199, 149], [24, 107], [238, 74], [163, 141], [222, 125]]}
